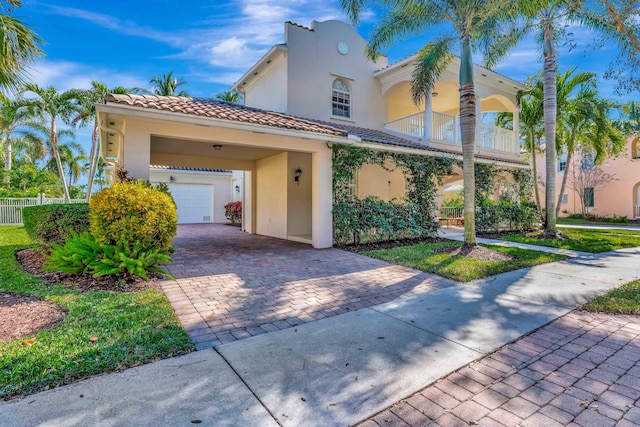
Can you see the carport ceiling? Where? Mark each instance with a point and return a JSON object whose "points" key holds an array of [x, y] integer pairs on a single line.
{"points": [[160, 144]]}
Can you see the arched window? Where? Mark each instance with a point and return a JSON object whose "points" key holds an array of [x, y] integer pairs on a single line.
{"points": [[341, 99], [635, 153]]}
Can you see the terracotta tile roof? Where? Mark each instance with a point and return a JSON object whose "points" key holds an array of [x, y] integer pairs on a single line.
{"points": [[205, 107], [382, 137], [182, 168]]}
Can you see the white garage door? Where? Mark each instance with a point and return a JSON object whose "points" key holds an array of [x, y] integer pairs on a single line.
{"points": [[194, 202]]}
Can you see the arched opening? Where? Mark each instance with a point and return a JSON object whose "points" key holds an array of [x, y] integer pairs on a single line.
{"points": [[341, 99], [636, 200], [635, 153]]}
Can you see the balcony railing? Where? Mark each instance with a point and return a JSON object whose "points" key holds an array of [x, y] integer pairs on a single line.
{"points": [[445, 128]]}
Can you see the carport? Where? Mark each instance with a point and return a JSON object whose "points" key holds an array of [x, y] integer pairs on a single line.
{"points": [[286, 161]]}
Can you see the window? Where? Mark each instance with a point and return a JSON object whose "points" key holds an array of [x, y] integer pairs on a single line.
{"points": [[562, 166], [588, 197], [352, 187], [341, 99], [565, 198], [588, 162]]}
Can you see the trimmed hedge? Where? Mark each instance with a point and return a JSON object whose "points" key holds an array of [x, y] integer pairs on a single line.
{"points": [[49, 224]]}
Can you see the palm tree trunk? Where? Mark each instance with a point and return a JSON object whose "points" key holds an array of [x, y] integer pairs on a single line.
{"points": [[468, 136], [56, 156], [7, 157], [564, 180], [93, 160], [550, 107], [535, 171]]}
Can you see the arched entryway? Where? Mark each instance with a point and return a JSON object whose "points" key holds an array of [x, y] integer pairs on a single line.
{"points": [[636, 200]]}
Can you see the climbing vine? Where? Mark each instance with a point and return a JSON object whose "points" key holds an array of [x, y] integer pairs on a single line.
{"points": [[356, 220]]}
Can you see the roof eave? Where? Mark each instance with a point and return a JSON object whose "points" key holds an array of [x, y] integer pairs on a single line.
{"points": [[246, 77]]}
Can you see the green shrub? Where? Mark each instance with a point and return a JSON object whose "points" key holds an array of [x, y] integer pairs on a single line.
{"points": [[233, 212], [133, 212], [126, 260], [506, 216], [77, 256], [49, 224]]}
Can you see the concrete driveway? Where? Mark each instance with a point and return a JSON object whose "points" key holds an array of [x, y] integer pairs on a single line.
{"points": [[232, 285]]}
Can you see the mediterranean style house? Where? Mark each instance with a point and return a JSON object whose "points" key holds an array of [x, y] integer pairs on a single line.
{"points": [[616, 193], [315, 89]]}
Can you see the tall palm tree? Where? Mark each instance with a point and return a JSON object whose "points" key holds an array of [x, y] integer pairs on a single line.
{"points": [[228, 96], [19, 48], [51, 106], [466, 22], [87, 115], [167, 85], [12, 116]]}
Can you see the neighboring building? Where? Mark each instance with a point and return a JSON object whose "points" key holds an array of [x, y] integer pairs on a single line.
{"points": [[200, 193], [316, 88], [619, 196]]}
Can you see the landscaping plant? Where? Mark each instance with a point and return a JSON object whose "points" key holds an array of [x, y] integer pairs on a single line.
{"points": [[49, 224], [233, 212]]}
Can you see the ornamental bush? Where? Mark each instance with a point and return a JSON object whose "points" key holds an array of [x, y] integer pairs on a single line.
{"points": [[133, 212], [49, 224], [233, 212]]}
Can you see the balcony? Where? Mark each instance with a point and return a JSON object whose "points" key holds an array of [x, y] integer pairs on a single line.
{"points": [[445, 129]]}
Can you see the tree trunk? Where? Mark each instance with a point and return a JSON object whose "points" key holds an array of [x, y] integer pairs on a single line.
{"points": [[93, 160], [7, 157], [535, 173], [550, 107], [56, 156], [564, 180], [468, 136]]}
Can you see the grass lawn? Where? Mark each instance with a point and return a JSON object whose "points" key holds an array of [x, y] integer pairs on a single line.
{"points": [[579, 221], [623, 300], [131, 328], [585, 240], [460, 268]]}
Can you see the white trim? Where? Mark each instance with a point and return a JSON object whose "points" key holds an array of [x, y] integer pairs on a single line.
{"points": [[237, 86], [333, 73]]}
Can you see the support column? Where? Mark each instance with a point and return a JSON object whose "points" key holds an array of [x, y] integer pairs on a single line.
{"points": [[516, 131], [136, 150], [248, 207], [427, 131], [321, 199]]}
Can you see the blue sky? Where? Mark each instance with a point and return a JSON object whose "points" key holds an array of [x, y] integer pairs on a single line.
{"points": [[207, 43]]}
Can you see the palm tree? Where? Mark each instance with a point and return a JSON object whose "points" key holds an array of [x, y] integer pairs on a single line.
{"points": [[19, 47], [167, 85], [466, 21], [87, 115], [12, 116], [51, 105], [630, 125], [228, 96]]}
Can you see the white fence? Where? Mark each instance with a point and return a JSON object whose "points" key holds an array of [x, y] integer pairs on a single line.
{"points": [[11, 208]]}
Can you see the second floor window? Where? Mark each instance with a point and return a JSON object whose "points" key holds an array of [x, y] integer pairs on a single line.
{"points": [[341, 99], [565, 198], [562, 165]]}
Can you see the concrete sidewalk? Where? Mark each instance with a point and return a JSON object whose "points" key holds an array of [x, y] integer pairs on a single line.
{"points": [[338, 370]]}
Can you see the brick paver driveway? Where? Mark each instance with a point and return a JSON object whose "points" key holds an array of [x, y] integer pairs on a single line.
{"points": [[231, 285], [581, 370]]}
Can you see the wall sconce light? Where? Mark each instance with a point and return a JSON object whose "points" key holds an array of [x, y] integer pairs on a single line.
{"points": [[237, 187], [297, 174], [171, 179], [434, 94], [217, 147]]}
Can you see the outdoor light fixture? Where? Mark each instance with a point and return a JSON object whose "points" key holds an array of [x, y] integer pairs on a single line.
{"points": [[217, 147], [237, 188], [297, 174]]}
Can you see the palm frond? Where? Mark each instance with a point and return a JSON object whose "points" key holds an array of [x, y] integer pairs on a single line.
{"points": [[431, 61]]}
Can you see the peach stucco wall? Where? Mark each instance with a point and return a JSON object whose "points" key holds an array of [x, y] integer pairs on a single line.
{"points": [[618, 197]]}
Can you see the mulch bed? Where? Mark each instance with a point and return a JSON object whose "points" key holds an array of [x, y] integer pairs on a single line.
{"points": [[32, 262], [474, 251], [22, 315]]}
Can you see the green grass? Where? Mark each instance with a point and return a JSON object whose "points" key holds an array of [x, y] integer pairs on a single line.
{"points": [[580, 221], [132, 328], [585, 240], [460, 268], [623, 300]]}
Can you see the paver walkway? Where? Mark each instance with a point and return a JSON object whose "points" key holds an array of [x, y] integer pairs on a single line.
{"points": [[581, 370], [232, 285]]}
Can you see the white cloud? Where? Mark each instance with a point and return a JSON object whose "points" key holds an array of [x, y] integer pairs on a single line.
{"points": [[65, 75]]}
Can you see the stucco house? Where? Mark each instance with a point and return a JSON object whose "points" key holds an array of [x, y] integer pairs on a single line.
{"points": [[619, 196], [316, 88]]}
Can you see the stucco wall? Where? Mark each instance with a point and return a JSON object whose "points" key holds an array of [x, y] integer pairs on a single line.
{"points": [[299, 195], [616, 197], [271, 196], [270, 91], [313, 57], [373, 180], [221, 186]]}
